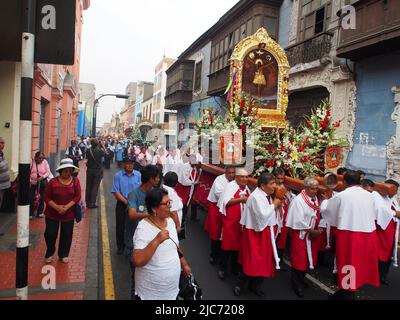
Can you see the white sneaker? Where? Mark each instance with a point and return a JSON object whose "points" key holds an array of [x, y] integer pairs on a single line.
{"points": [[49, 259]]}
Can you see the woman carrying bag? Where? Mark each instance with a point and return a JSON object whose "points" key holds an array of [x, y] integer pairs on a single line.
{"points": [[40, 172], [62, 195], [156, 255]]}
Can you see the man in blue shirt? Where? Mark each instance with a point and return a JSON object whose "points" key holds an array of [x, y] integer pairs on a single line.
{"points": [[124, 182], [137, 210]]}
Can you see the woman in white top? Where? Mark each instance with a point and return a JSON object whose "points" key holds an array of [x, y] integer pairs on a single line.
{"points": [[155, 255]]}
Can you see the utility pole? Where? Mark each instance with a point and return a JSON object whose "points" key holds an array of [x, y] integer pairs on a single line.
{"points": [[25, 146]]}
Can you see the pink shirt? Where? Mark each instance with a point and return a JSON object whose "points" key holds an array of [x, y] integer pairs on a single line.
{"points": [[42, 169]]}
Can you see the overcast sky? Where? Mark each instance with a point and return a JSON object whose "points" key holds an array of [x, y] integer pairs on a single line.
{"points": [[123, 40]]}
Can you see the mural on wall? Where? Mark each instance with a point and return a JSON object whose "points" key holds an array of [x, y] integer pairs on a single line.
{"points": [[260, 77]]}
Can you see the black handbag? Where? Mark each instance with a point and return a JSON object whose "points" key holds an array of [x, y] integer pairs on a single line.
{"points": [[78, 209], [189, 289]]}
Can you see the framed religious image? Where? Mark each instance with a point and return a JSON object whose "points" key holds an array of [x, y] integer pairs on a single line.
{"points": [[260, 78], [260, 70], [231, 146], [333, 157]]}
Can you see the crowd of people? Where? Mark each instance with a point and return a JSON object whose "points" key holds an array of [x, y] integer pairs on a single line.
{"points": [[355, 231]]}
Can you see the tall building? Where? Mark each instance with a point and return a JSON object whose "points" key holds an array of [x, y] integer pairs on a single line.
{"points": [[144, 92], [167, 118], [128, 111], [86, 105], [373, 50]]}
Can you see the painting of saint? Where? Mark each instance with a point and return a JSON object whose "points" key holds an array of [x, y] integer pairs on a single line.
{"points": [[260, 77]]}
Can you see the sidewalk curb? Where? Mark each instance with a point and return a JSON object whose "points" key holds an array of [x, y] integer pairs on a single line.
{"points": [[92, 267]]}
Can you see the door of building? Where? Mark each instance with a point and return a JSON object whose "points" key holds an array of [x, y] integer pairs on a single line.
{"points": [[302, 102], [43, 104]]}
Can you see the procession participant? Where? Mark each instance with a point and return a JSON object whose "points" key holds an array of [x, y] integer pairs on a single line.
{"points": [[388, 214], [169, 184], [213, 223], [362, 174], [303, 219], [368, 185], [282, 230], [160, 157], [189, 173], [123, 183], [171, 162], [74, 152], [231, 204], [258, 253], [150, 177], [352, 212]]}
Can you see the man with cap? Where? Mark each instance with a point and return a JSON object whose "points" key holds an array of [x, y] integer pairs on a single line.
{"points": [[124, 182], [231, 205]]}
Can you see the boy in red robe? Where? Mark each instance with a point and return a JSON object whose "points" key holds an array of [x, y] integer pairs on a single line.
{"points": [[258, 253], [231, 205]]}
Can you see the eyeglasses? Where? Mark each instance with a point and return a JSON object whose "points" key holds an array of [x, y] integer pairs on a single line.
{"points": [[168, 203]]}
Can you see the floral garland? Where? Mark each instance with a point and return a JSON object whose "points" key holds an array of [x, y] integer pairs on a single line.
{"points": [[299, 152]]}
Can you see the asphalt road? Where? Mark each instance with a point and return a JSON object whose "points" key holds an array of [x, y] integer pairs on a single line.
{"points": [[196, 249]]}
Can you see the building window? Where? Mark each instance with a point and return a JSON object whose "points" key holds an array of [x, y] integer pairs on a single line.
{"points": [[270, 24], [319, 21], [243, 31], [249, 27], [197, 76], [166, 117], [315, 16]]}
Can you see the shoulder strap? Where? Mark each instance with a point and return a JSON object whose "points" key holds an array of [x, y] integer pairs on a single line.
{"points": [[91, 153]]}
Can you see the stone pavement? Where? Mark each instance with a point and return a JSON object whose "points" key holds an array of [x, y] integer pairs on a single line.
{"points": [[70, 278]]}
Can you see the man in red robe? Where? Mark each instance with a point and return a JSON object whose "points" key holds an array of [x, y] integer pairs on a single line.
{"points": [[304, 219], [388, 214], [258, 254], [231, 205], [282, 231], [213, 223], [353, 213]]}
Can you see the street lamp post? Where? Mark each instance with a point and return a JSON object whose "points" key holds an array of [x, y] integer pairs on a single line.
{"points": [[119, 96]]}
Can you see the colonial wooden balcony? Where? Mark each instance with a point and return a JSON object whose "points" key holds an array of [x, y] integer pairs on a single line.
{"points": [[310, 50], [218, 81], [179, 84], [377, 30]]}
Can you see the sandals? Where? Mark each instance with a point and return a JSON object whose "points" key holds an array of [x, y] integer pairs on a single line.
{"points": [[64, 260]]}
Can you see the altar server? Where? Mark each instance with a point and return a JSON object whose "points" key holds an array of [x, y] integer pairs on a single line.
{"points": [[282, 229], [213, 223], [258, 254], [231, 205], [303, 219], [353, 213], [388, 214]]}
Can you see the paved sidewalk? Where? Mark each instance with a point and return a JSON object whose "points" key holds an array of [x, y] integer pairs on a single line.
{"points": [[70, 278]]}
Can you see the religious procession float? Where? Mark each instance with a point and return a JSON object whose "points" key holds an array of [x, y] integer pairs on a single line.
{"points": [[254, 132]]}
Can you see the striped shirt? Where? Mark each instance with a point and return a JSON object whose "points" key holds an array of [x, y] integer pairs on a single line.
{"points": [[4, 174]]}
